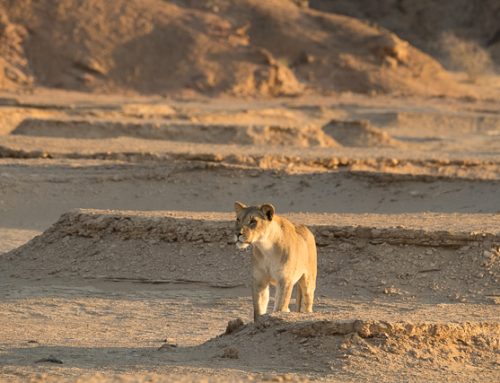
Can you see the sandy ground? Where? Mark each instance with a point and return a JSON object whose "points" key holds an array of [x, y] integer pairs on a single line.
{"points": [[402, 194]]}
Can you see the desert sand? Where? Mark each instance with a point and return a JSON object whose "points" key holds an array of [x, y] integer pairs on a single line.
{"points": [[121, 158]]}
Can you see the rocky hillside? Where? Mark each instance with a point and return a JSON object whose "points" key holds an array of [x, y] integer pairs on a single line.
{"points": [[428, 24], [244, 48]]}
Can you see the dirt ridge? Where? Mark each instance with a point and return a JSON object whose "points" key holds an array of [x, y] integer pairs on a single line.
{"points": [[335, 343], [321, 326], [393, 161], [218, 227], [241, 134]]}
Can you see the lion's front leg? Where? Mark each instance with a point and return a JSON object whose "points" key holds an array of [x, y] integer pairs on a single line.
{"points": [[260, 295]]}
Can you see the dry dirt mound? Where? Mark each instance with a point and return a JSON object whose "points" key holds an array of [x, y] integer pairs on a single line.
{"points": [[436, 257], [178, 131], [245, 48], [359, 134], [321, 343]]}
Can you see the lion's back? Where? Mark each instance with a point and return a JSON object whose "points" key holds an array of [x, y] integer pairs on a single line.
{"points": [[305, 233]]}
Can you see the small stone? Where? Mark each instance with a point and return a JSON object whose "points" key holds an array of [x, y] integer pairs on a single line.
{"points": [[50, 359], [164, 346], [392, 291], [455, 297], [494, 300], [234, 326], [231, 353], [277, 378]]}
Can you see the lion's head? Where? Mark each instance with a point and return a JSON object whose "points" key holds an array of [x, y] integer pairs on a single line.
{"points": [[252, 223]]}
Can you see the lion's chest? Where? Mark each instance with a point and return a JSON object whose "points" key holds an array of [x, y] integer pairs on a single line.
{"points": [[268, 264], [274, 271]]}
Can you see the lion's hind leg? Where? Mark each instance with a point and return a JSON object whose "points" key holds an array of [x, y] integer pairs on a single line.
{"points": [[307, 285]]}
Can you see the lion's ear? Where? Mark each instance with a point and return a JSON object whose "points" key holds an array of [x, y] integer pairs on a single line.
{"points": [[238, 206], [268, 211]]}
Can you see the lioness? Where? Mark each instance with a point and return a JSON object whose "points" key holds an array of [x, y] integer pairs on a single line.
{"points": [[283, 254]]}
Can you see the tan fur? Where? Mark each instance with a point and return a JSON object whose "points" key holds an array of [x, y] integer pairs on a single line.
{"points": [[283, 254]]}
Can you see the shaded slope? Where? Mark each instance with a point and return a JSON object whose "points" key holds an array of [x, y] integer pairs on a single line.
{"points": [[424, 22]]}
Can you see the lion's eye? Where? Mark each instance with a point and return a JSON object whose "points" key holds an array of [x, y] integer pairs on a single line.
{"points": [[253, 222]]}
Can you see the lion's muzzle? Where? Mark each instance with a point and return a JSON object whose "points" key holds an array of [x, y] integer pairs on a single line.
{"points": [[241, 241]]}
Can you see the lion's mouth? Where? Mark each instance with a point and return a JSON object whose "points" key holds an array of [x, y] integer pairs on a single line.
{"points": [[240, 242], [242, 245]]}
